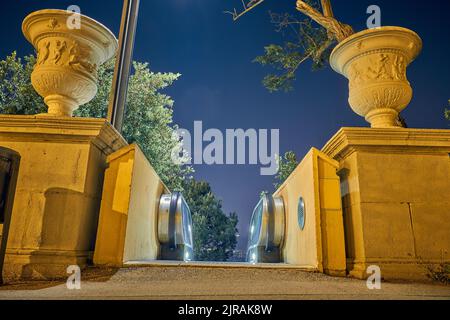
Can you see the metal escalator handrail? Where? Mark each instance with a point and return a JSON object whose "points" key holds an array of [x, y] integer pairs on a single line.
{"points": [[270, 244], [172, 219]]}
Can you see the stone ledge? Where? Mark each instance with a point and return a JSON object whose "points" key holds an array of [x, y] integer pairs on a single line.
{"points": [[347, 139], [44, 128], [216, 265], [59, 190]]}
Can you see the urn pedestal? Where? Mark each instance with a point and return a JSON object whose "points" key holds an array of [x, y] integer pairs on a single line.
{"points": [[65, 74], [394, 187]]}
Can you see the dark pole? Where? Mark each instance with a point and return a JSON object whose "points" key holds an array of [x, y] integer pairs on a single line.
{"points": [[116, 108]]}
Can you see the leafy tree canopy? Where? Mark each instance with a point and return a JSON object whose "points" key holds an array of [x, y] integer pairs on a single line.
{"points": [[286, 165], [447, 112], [310, 38], [17, 95], [304, 41], [148, 120], [214, 232]]}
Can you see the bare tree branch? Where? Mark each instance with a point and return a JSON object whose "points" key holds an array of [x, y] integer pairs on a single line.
{"points": [[248, 6], [327, 9], [336, 29]]}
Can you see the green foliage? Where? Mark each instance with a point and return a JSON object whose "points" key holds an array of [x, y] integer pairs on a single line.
{"points": [[286, 165], [262, 194], [447, 112], [440, 273], [214, 232], [305, 40], [17, 95], [148, 118], [148, 122]]}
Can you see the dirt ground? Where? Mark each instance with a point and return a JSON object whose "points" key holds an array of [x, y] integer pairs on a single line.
{"points": [[187, 282]]}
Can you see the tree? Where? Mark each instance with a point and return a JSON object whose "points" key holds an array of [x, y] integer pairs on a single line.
{"points": [[214, 232], [286, 165], [17, 95], [305, 40], [148, 119]]}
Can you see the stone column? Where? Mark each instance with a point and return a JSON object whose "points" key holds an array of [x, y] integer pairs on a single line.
{"points": [[314, 240], [395, 186], [59, 190]]}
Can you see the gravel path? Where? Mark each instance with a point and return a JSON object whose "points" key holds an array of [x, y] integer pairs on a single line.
{"points": [[200, 282]]}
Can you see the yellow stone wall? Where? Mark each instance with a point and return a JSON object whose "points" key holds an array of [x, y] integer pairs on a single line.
{"points": [[395, 189], [128, 222], [320, 245], [1, 232], [55, 212]]}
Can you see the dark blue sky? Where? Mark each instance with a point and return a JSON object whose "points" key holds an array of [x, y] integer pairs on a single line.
{"points": [[221, 87]]}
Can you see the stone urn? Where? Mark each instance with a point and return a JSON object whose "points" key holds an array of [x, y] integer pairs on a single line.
{"points": [[375, 63], [65, 74]]}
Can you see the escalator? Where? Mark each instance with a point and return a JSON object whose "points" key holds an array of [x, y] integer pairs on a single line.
{"points": [[267, 228], [175, 228]]}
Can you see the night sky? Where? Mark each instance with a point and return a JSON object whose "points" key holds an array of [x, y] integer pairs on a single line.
{"points": [[222, 87]]}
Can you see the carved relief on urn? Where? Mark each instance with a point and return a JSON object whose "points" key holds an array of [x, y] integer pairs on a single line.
{"points": [[375, 63], [65, 74]]}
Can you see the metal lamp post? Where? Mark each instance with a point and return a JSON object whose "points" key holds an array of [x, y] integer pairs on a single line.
{"points": [[117, 104]]}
